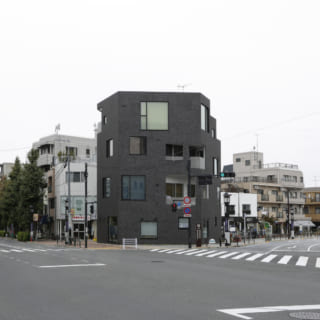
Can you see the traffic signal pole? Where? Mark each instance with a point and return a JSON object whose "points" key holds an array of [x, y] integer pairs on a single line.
{"points": [[189, 195], [85, 205]]}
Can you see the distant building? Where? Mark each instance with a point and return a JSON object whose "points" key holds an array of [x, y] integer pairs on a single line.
{"points": [[312, 204], [53, 151], [5, 169], [146, 142], [279, 187]]}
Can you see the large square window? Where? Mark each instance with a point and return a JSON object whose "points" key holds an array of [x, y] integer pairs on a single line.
{"points": [[133, 188], [138, 145], [154, 115], [149, 230], [173, 150], [174, 190]]}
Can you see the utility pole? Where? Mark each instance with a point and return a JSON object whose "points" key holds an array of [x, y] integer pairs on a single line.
{"points": [[189, 195], [85, 205], [288, 214], [69, 198]]}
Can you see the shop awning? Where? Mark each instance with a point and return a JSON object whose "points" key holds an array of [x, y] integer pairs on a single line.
{"points": [[304, 223]]}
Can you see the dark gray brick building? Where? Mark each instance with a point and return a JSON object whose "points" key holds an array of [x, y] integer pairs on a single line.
{"points": [[145, 143]]}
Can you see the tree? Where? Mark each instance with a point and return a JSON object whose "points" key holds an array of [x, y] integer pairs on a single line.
{"points": [[11, 197], [32, 184]]}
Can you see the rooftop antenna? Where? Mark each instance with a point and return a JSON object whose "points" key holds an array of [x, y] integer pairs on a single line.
{"points": [[182, 86], [57, 128]]}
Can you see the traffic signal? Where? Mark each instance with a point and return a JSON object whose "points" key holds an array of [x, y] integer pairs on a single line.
{"points": [[66, 202], [174, 207], [227, 174], [92, 209]]}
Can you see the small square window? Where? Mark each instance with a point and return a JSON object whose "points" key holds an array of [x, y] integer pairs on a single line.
{"points": [[247, 162], [138, 145], [149, 229]]}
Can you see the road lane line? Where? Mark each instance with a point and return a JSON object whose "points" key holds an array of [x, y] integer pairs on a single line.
{"points": [[255, 257], [318, 263], [302, 261], [230, 254], [314, 245], [72, 265], [240, 311], [216, 254], [269, 258], [284, 260], [240, 256]]}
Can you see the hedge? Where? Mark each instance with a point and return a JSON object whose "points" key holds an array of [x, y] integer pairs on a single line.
{"points": [[23, 236]]}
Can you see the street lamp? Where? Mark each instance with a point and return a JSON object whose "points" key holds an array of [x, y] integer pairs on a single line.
{"points": [[226, 198]]}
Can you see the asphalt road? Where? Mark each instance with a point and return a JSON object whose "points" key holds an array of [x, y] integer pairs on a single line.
{"points": [[41, 282]]}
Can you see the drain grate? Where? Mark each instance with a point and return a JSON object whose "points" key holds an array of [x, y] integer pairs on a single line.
{"points": [[305, 315]]}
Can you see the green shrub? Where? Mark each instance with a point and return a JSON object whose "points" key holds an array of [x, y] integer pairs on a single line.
{"points": [[23, 236], [2, 233]]}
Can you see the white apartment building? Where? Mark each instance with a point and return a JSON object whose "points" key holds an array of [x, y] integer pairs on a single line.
{"points": [[53, 152]]}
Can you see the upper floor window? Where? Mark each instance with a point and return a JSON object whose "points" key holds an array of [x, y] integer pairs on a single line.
{"points": [[138, 145], [174, 190], [173, 150], [88, 153], [106, 187], [75, 176], [215, 166], [204, 118], [317, 197], [247, 162], [105, 120], [133, 188], [154, 115], [109, 148], [238, 159], [71, 151]]}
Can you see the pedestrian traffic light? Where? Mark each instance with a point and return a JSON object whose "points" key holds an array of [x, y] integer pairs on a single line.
{"points": [[91, 209], [227, 174], [174, 207]]}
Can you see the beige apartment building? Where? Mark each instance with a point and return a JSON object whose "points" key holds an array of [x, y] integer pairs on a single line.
{"points": [[312, 205], [279, 187]]}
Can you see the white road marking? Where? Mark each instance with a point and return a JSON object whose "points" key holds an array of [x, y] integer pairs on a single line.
{"points": [[269, 258], [302, 261], [239, 312], [230, 254], [73, 265], [176, 250], [164, 250], [284, 260], [318, 263], [15, 250], [186, 251], [2, 250], [205, 253], [216, 254], [199, 251], [28, 250], [153, 250], [240, 256], [314, 245]]}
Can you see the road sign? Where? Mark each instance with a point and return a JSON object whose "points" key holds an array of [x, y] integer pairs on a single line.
{"points": [[187, 201], [187, 210]]}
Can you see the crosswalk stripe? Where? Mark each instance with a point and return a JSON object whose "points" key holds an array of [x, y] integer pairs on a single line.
{"points": [[240, 256], [176, 250], [255, 257], [216, 254], [194, 252], [318, 263], [164, 250], [269, 258], [16, 250], [153, 250], [230, 254], [302, 261], [28, 250], [205, 253], [4, 250], [284, 260], [186, 251]]}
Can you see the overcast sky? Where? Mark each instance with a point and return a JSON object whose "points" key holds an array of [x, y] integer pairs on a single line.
{"points": [[257, 61]]}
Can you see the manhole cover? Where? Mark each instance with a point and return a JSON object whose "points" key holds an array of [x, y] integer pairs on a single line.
{"points": [[159, 261], [305, 315]]}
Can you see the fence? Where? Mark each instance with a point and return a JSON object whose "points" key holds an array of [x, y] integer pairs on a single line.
{"points": [[130, 243]]}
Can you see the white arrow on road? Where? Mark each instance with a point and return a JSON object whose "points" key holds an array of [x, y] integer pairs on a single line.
{"points": [[239, 312]]}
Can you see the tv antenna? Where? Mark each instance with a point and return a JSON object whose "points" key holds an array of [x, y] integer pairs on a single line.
{"points": [[182, 86], [57, 128]]}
